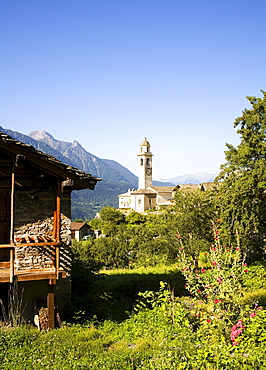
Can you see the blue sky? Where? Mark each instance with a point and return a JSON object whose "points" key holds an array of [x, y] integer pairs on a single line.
{"points": [[110, 72]]}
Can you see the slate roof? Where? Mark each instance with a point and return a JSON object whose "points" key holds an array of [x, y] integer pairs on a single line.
{"points": [[82, 180]]}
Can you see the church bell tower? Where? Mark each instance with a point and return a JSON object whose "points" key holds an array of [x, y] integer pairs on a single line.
{"points": [[145, 165]]}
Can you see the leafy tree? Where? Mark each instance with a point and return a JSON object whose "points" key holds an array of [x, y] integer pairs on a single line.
{"points": [[78, 220], [135, 218], [195, 211], [110, 214], [243, 196]]}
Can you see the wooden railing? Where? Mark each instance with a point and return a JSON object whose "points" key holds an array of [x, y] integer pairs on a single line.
{"points": [[33, 241]]}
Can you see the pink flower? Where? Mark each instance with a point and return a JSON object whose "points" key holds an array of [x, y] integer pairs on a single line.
{"points": [[203, 270], [220, 280], [253, 314], [208, 320], [245, 270], [235, 331]]}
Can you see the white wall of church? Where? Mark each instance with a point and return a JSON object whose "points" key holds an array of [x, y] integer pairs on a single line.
{"points": [[164, 199]]}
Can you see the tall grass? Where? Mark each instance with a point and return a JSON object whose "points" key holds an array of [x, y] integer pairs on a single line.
{"points": [[14, 315]]}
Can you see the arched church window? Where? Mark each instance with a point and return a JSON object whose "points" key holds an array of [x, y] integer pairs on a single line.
{"points": [[147, 161], [141, 162]]}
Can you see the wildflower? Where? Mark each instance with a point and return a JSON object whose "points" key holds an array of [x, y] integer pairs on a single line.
{"points": [[220, 280], [245, 270], [203, 270], [208, 320], [253, 314], [235, 331]]}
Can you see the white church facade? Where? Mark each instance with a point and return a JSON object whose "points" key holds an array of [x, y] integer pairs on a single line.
{"points": [[147, 196]]}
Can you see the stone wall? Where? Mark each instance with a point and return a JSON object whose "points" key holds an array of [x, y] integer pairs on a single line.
{"points": [[34, 216]]}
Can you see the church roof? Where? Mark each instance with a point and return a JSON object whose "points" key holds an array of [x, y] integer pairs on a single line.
{"points": [[189, 187], [128, 194], [143, 191], [163, 189], [145, 142]]}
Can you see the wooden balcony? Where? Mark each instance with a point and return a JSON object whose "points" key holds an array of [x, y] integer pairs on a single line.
{"points": [[9, 272]]}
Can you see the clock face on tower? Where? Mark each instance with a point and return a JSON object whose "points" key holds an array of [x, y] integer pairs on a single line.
{"points": [[148, 171]]}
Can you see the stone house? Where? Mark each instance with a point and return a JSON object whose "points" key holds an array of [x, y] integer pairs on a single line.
{"points": [[35, 219]]}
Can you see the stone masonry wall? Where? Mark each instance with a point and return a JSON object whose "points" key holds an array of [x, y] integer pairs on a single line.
{"points": [[34, 211]]}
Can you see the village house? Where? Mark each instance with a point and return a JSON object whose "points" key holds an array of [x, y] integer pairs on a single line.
{"points": [[35, 226], [79, 230]]}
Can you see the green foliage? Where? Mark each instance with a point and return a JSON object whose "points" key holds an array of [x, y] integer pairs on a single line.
{"points": [[111, 294], [135, 218], [255, 277], [158, 338], [220, 286], [257, 296], [242, 193], [112, 215], [194, 213]]}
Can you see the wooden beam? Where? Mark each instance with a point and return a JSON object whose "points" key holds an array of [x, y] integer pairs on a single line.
{"points": [[29, 275], [50, 306], [58, 210], [5, 245], [57, 225], [34, 244], [12, 254]]}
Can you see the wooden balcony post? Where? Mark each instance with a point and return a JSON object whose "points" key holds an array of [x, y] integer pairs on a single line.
{"points": [[50, 306], [57, 225], [12, 252]]}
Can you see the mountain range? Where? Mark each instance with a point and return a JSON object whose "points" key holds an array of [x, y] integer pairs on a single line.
{"points": [[196, 178], [116, 179]]}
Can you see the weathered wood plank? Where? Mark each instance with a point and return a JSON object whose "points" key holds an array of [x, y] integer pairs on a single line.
{"points": [[50, 306]]}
